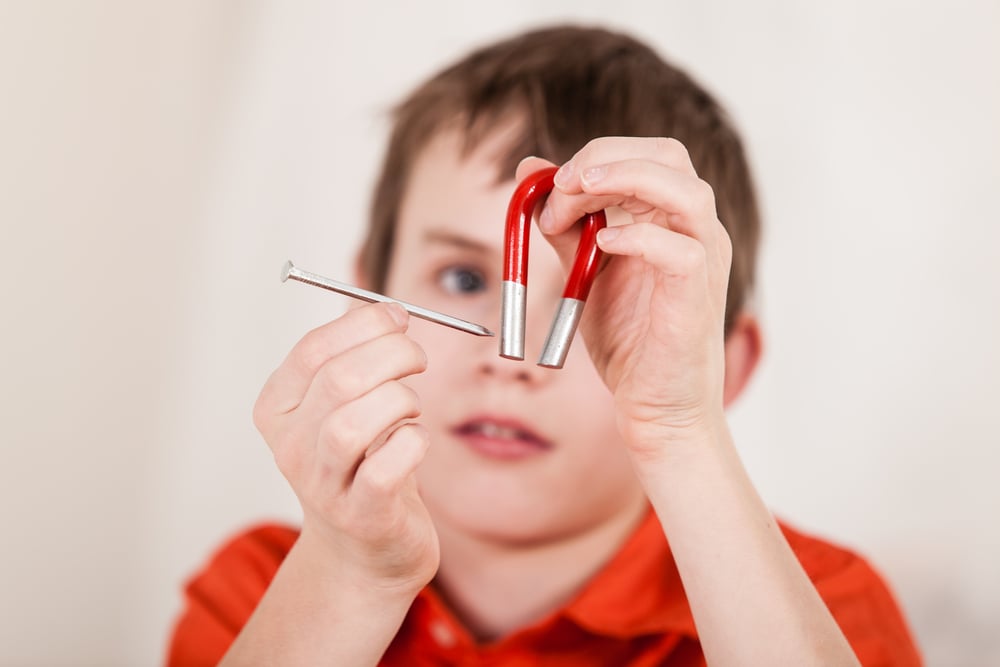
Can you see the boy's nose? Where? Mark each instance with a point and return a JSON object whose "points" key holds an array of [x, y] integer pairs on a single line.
{"points": [[538, 310], [490, 364], [510, 370]]}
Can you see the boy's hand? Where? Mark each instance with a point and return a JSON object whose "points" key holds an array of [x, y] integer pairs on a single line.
{"points": [[336, 416], [654, 320]]}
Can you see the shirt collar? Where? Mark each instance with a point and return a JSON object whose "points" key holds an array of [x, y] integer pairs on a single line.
{"points": [[638, 592]]}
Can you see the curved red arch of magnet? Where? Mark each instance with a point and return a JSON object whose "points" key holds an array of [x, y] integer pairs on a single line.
{"points": [[517, 232], [588, 258]]}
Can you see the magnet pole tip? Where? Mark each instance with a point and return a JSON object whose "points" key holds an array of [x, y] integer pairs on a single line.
{"points": [[286, 270]]}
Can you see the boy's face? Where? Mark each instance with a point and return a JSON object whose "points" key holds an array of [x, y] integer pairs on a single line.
{"points": [[518, 452]]}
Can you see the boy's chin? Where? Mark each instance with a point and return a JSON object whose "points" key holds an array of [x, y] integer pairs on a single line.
{"points": [[506, 525]]}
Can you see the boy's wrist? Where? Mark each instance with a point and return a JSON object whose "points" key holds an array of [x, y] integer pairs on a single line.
{"points": [[318, 610], [334, 571], [676, 465], [656, 441]]}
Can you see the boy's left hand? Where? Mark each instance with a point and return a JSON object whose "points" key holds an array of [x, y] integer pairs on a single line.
{"points": [[655, 317]]}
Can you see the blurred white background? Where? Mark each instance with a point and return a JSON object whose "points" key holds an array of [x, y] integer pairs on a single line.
{"points": [[160, 161]]}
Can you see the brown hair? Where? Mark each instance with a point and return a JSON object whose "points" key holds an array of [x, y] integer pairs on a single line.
{"points": [[570, 84]]}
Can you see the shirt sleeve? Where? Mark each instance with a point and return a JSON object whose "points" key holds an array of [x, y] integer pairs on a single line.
{"points": [[219, 600], [860, 602]]}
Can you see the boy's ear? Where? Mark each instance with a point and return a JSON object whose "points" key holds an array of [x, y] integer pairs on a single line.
{"points": [[744, 347]]}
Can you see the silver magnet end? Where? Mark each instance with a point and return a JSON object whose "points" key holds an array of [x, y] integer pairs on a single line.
{"points": [[561, 334], [513, 304]]}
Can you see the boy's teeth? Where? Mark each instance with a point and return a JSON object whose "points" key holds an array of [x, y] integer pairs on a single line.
{"points": [[495, 431]]}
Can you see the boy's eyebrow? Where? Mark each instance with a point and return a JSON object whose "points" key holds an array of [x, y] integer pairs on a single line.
{"points": [[452, 239]]}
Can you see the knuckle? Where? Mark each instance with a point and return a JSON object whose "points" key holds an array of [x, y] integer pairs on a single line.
{"points": [[314, 348], [647, 234], [592, 145], [705, 193], [381, 484], [381, 481], [420, 435], [671, 148], [409, 442], [419, 356], [411, 354], [692, 258], [337, 382], [416, 407], [414, 436], [381, 317], [339, 428], [699, 198], [406, 400]]}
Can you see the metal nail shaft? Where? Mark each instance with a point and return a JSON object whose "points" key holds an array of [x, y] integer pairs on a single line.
{"points": [[291, 271]]}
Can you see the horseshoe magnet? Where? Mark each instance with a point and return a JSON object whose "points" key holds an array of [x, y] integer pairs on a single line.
{"points": [[515, 274]]}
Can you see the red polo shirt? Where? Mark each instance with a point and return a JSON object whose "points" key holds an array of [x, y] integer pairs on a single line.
{"points": [[633, 613]]}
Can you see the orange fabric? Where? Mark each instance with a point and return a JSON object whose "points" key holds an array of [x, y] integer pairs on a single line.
{"points": [[632, 614]]}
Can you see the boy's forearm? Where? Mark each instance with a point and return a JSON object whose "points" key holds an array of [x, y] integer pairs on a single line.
{"points": [[751, 600], [314, 615]]}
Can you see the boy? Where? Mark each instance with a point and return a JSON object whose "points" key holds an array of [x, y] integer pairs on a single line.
{"points": [[460, 508]]}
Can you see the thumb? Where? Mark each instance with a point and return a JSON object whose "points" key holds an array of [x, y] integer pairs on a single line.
{"points": [[530, 165]]}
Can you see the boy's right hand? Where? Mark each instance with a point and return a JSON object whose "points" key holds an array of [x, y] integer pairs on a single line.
{"points": [[336, 416]]}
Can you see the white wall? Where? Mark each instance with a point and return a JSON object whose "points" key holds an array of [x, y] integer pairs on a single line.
{"points": [[159, 162]]}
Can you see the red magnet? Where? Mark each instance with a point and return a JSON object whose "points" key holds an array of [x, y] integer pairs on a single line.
{"points": [[515, 274]]}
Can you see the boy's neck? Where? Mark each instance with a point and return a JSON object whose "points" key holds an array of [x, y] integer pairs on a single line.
{"points": [[495, 589]]}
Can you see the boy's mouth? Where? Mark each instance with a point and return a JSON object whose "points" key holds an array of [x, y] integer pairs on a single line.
{"points": [[501, 438]]}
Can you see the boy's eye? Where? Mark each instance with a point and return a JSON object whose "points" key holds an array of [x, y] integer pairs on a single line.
{"points": [[461, 280]]}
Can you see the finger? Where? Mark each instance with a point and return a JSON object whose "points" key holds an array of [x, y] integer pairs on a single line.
{"points": [[666, 151], [589, 164], [530, 165], [644, 188], [284, 390], [383, 473], [564, 244], [294, 437], [357, 371], [355, 427], [678, 257]]}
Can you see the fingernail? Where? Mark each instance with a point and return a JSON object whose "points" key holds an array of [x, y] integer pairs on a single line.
{"points": [[608, 235], [564, 176], [545, 219], [594, 174]]}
